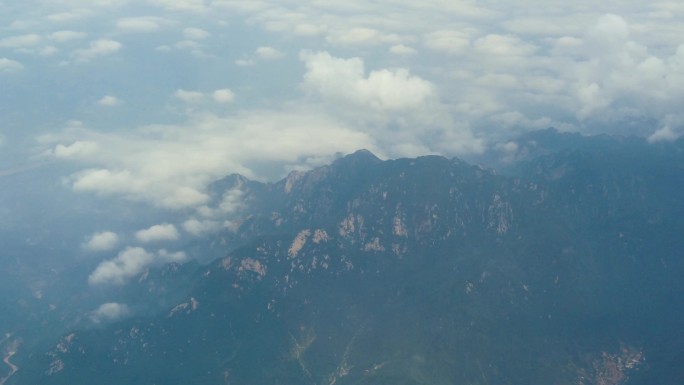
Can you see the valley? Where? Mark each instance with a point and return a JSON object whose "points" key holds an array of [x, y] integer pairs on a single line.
{"points": [[10, 350]]}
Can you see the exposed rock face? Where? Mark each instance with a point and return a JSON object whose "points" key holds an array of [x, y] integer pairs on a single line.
{"points": [[424, 271]]}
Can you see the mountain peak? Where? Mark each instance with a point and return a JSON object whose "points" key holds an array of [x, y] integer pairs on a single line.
{"points": [[359, 157]]}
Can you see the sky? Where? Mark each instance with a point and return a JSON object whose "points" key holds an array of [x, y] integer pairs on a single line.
{"points": [[150, 101]]}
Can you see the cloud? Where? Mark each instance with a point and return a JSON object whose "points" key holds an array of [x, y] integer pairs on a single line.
{"points": [[345, 80], [357, 23], [70, 16], [129, 263], [188, 45], [109, 101], [97, 48], [9, 65], [157, 233], [164, 256], [470, 75], [104, 181], [200, 227], [231, 201], [360, 36], [261, 53], [245, 62], [75, 150], [561, 59], [664, 134], [610, 32], [448, 41], [47, 51], [308, 29], [102, 241], [403, 112], [223, 96], [401, 49], [269, 53], [21, 41], [110, 311], [64, 36], [672, 129], [503, 45], [141, 24], [615, 79], [182, 5], [551, 25], [189, 96], [195, 34], [171, 165]]}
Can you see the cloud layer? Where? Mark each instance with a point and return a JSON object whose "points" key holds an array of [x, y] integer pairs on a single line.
{"points": [[154, 100], [171, 165], [401, 80]]}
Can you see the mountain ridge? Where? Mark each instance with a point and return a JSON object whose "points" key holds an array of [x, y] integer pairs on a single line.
{"points": [[412, 271]]}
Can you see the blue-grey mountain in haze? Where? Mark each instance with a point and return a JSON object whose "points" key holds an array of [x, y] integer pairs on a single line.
{"points": [[564, 267]]}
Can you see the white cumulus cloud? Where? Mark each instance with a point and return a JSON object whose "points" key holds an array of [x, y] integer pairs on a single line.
{"points": [[156, 233], [102, 241], [346, 80], [223, 96], [403, 112], [110, 311], [164, 256], [199, 227], [129, 263], [97, 48]]}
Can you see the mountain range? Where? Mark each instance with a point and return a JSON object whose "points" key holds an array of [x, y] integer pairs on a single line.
{"points": [[563, 266]]}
